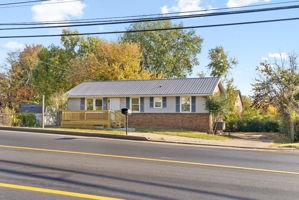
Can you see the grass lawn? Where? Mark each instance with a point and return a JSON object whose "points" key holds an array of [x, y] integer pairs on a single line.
{"points": [[183, 133], [289, 145]]}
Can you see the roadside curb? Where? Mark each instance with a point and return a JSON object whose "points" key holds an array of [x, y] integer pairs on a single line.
{"points": [[130, 137], [87, 134], [224, 146]]}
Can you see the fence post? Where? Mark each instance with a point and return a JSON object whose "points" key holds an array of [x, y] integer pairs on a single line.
{"points": [[109, 118]]}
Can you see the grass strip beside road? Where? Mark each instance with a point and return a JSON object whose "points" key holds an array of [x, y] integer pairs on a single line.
{"points": [[180, 133], [55, 192], [289, 145]]}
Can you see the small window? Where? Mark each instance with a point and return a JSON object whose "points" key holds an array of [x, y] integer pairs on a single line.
{"points": [[158, 102], [99, 104], [89, 104], [185, 104], [135, 105]]}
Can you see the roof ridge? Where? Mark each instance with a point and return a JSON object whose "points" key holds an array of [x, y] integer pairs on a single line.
{"points": [[150, 79]]}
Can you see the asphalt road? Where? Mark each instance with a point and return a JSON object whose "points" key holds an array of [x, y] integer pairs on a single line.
{"points": [[42, 166]]}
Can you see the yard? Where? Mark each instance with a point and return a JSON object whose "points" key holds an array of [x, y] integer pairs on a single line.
{"points": [[181, 133]]}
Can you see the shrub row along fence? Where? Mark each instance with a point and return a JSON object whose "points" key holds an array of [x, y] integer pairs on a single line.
{"points": [[25, 120], [253, 125]]}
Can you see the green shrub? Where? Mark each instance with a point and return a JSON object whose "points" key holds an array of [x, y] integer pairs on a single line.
{"points": [[8, 116], [27, 119], [252, 125], [16, 121]]}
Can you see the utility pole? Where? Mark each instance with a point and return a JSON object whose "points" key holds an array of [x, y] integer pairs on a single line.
{"points": [[127, 124], [43, 112]]}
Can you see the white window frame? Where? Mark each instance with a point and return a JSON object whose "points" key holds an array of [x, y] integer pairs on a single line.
{"points": [[134, 104], [94, 103], [181, 103], [161, 100]]}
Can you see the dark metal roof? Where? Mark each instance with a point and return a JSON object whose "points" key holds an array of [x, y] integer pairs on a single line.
{"points": [[168, 87], [31, 108]]}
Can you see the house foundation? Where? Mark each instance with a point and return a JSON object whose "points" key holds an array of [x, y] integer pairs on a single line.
{"points": [[186, 121]]}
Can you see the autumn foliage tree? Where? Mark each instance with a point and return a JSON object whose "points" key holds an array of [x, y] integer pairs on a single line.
{"points": [[277, 86], [109, 61], [52, 70], [17, 83]]}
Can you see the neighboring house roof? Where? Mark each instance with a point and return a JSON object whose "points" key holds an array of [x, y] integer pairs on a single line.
{"points": [[239, 102], [167, 87], [31, 108]]}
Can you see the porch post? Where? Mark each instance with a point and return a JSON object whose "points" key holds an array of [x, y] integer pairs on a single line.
{"points": [[109, 118]]}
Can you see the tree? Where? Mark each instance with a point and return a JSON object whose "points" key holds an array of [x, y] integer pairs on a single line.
{"points": [[55, 104], [217, 105], [86, 59], [109, 61], [172, 53], [50, 75], [220, 63], [17, 83], [276, 86]]}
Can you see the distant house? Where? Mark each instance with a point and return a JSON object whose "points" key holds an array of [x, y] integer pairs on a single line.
{"points": [[31, 108], [239, 102], [35, 109], [166, 103]]}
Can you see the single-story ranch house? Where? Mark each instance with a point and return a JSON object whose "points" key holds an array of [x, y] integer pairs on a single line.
{"points": [[166, 103]]}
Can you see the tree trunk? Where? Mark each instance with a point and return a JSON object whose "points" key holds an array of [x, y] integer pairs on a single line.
{"points": [[292, 130]]}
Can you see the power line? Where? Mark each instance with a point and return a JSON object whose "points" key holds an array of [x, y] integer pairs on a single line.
{"points": [[22, 2], [32, 3], [176, 17], [141, 16], [151, 30]]}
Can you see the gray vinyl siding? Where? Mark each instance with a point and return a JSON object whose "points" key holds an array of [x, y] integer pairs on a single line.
{"points": [[201, 105], [73, 104], [170, 106]]}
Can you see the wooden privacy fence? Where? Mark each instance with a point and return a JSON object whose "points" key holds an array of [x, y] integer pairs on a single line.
{"points": [[107, 119]]}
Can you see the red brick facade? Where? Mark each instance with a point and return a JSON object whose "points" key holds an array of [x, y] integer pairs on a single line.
{"points": [[186, 121]]}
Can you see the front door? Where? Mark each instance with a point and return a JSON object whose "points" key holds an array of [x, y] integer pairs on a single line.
{"points": [[114, 103]]}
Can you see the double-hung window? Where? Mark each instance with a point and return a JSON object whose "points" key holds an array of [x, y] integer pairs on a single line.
{"points": [[94, 104], [157, 102], [98, 104], [135, 104], [185, 104]]}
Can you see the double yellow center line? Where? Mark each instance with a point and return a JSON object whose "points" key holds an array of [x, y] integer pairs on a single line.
{"points": [[55, 192], [88, 196], [150, 159]]}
